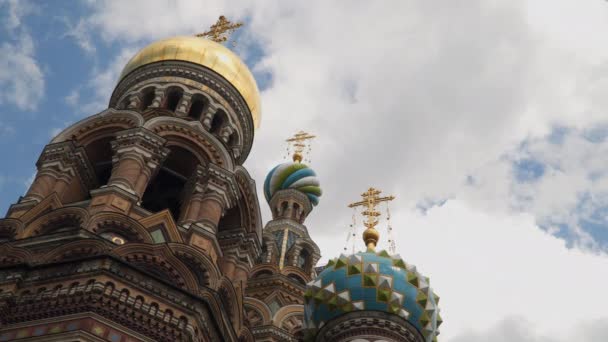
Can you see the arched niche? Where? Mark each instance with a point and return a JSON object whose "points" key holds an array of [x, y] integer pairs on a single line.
{"points": [[167, 189]]}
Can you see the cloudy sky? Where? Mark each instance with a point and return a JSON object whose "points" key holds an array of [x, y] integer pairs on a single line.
{"points": [[487, 119]]}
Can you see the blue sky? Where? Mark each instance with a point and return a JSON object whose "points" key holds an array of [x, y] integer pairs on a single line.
{"points": [[487, 119]]}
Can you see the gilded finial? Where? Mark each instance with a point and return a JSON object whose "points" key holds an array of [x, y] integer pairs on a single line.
{"points": [[220, 31], [299, 142], [371, 198]]}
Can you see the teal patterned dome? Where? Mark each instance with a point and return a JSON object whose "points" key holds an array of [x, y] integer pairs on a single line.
{"points": [[372, 281], [293, 175]]}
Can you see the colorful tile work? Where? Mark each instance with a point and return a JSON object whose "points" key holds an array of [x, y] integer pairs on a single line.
{"points": [[25, 332], [39, 331], [98, 330], [55, 329], [114, 336], [372, 281], [73, 326]]}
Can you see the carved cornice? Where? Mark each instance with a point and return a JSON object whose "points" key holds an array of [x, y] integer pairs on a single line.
{"points": [[143, 143]]}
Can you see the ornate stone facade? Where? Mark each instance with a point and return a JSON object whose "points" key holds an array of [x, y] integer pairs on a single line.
{"points": [[141, 223]]}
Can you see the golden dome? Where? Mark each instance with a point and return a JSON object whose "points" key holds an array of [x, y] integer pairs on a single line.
{"points": [[206, 53]]}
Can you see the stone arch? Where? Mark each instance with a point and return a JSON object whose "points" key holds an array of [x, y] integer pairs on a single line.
{"points": [[230, 298], [245, 335], [10, 255], [262, 269], [285, 312], [110, 119], [206, 271], [260, 307], [159, 261], [290, 271], [74, 217], [132, 230], [249, 201], [191, 136], [78, 248]]}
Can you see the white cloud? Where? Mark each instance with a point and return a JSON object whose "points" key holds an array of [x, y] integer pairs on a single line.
{"points": [[21, 79], [81, 35], [413, 98]]}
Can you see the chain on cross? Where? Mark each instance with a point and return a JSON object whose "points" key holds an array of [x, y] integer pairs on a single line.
{"points": [[298, 143], [220, 31], [371, 199]]}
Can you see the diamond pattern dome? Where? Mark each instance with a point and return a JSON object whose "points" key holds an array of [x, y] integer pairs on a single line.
{"points": [[373, 282]]}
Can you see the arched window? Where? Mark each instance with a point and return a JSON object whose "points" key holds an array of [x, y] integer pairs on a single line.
{"points": [[168, 316], [99, 153], [219, 119], [297, 278], [174, 95], [197, 107], [147, 98], [153, 309], [296, 209], [139, 301], [284, 207], [124, 295], [183, 322], [166, 190], [303, 259], [108, 289]]}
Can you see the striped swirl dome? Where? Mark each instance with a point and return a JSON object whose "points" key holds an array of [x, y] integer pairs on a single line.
{"points": [[296, 176]]}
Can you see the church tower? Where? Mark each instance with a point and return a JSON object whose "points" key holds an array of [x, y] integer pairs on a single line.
{"points": [[275, 291], [141, 223]]}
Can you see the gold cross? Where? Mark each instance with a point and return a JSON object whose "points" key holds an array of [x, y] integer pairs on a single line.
{"points": [[298, 142], [219, 31], [371, 198]]}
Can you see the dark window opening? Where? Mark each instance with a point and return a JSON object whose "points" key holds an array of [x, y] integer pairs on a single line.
{"points": [[230, 220], [197, 107], [166, 190], [303, 259], [174, 95], [218, 121], [100, 156], [297, 279], [148, 98]]}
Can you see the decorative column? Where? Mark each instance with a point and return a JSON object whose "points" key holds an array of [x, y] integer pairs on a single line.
{"points": [[184, 105], [138, 153], [159, 96], [208, 115], [64, 169], [226, 132], [134, 101], [213, 190]]}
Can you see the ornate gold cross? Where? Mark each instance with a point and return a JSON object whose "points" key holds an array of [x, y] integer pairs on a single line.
{"points": [[371, 198], [298, 142], [220, 31]]}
